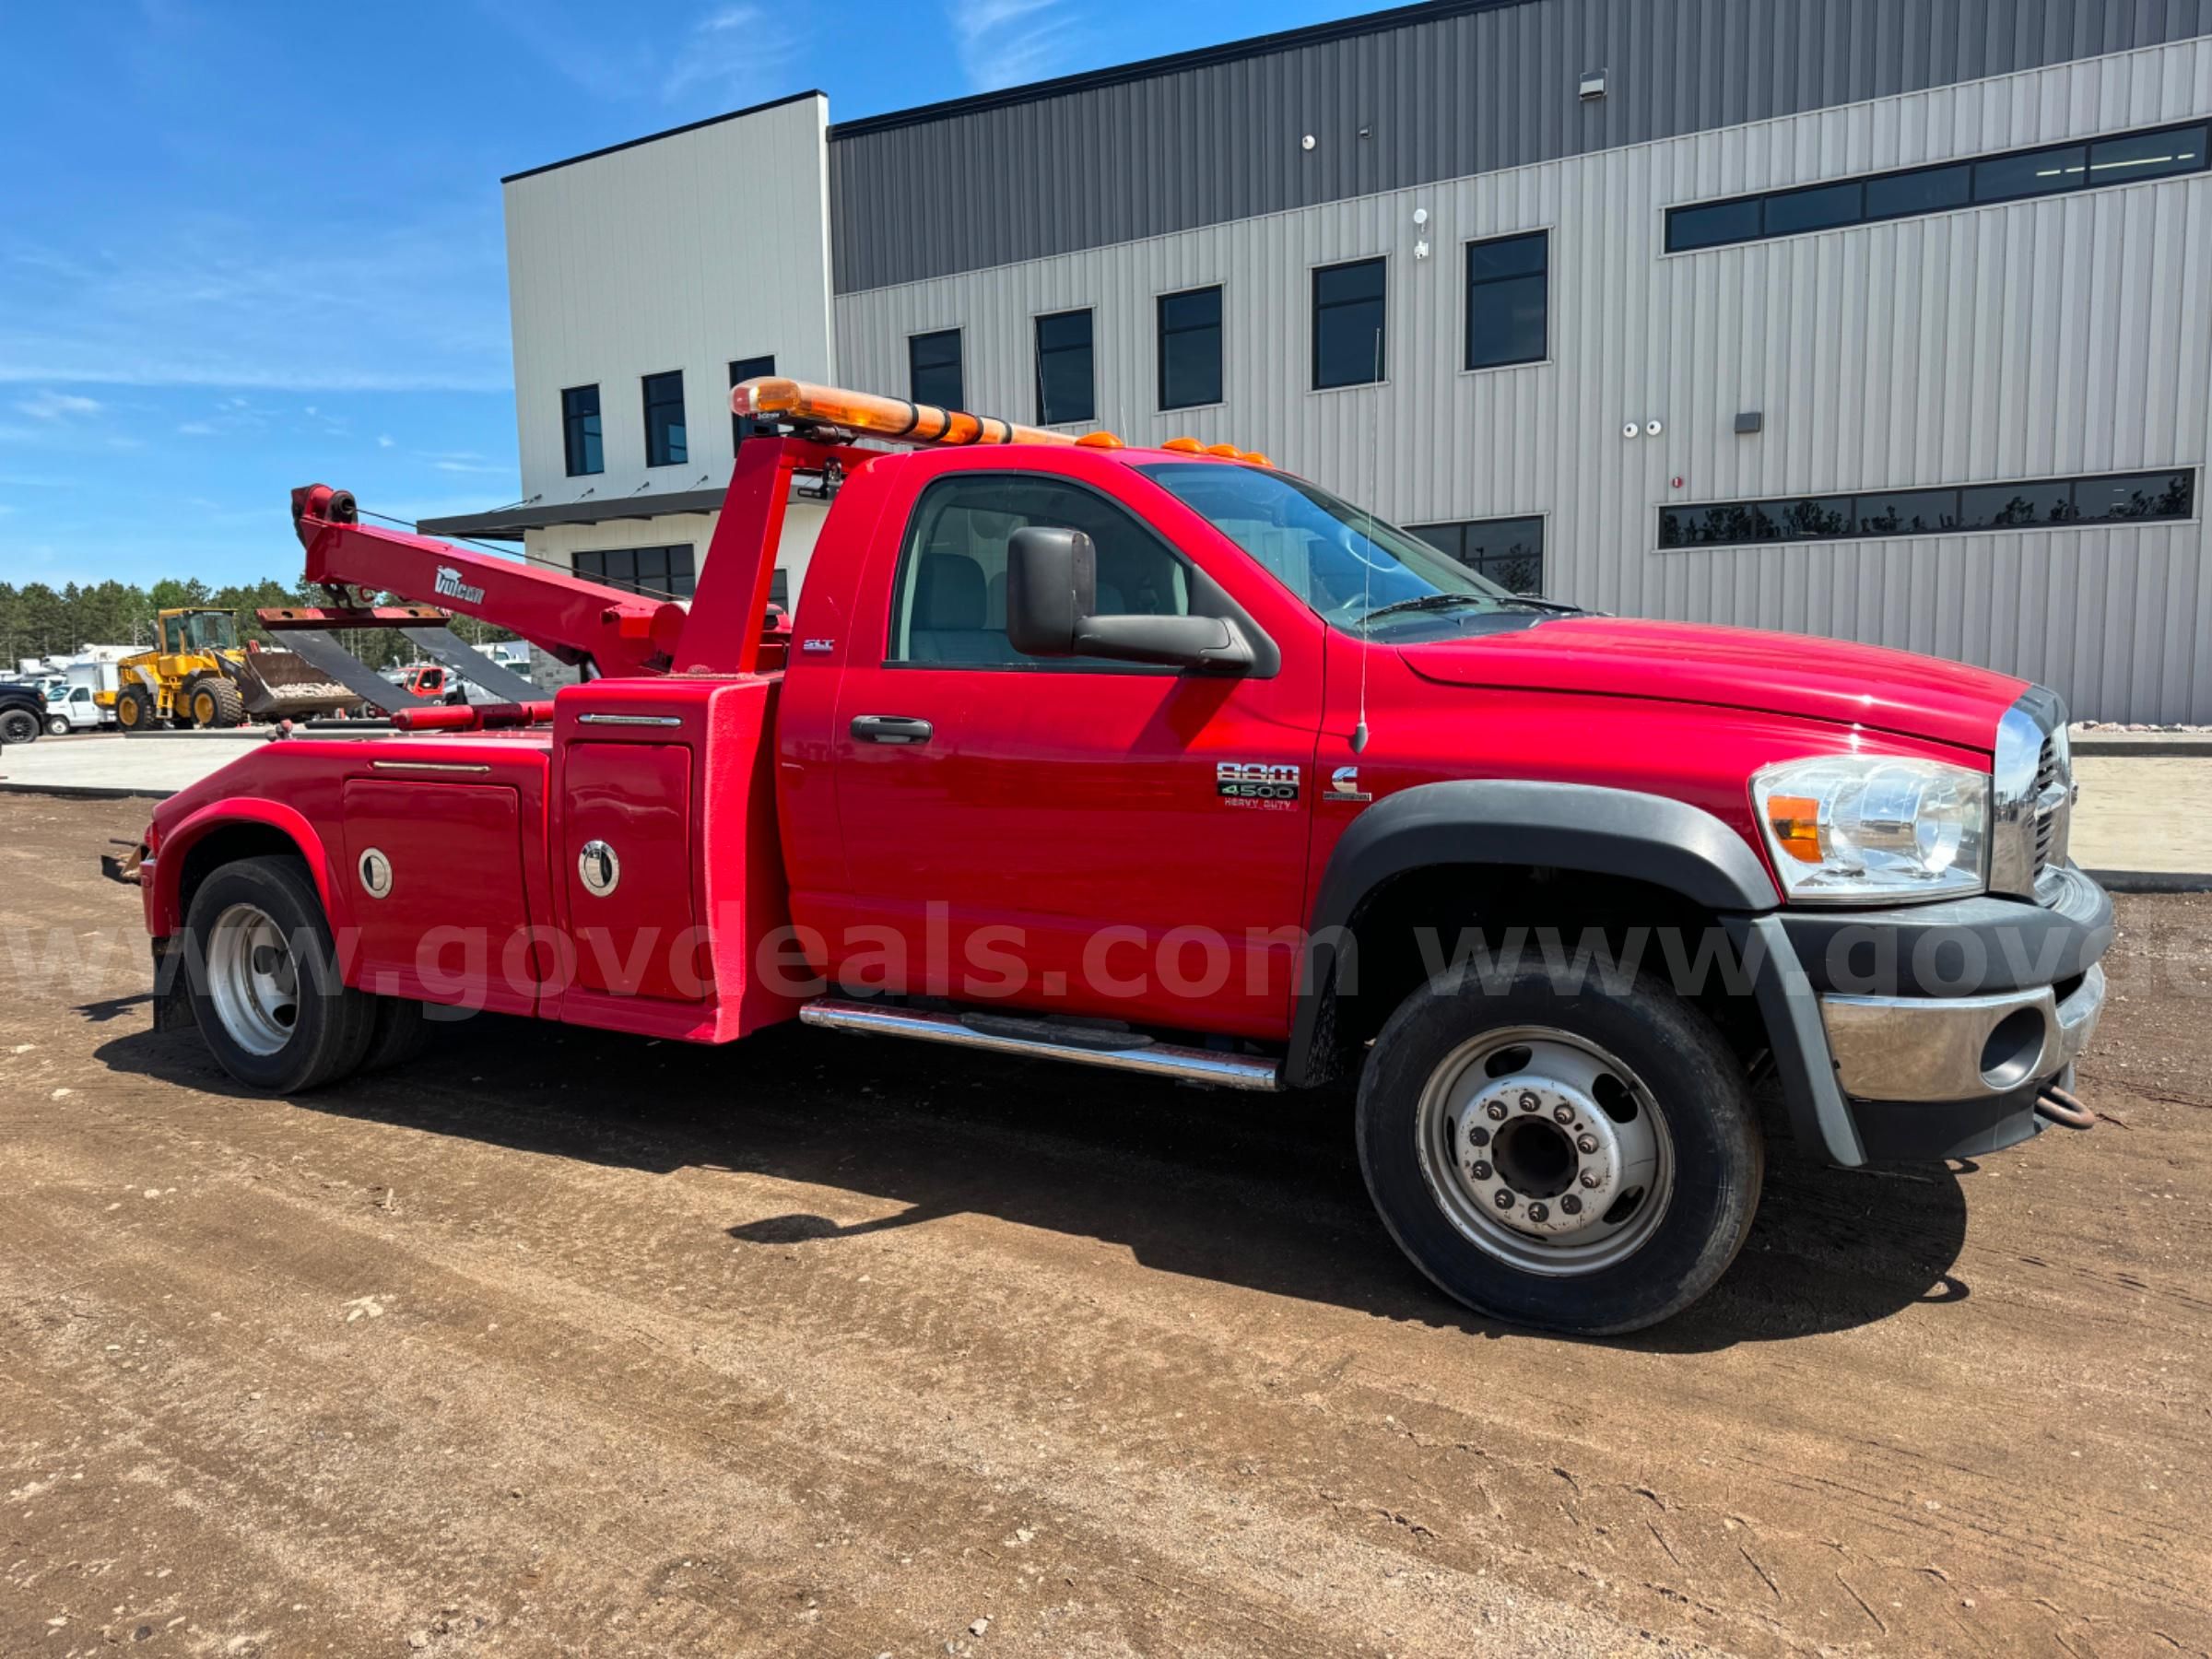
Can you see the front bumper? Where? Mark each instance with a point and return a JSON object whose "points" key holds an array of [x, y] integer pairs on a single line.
{"points": [[1927, 1031], [1959, 1048]]}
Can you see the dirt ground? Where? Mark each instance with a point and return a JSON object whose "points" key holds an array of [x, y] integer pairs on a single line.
{"points": [[558, 1342]]}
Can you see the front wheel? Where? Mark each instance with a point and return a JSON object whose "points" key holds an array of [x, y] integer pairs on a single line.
{"points": [[1584, 1160], [57, 726]]}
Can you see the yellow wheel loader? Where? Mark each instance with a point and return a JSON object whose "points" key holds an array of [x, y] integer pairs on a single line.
{"points": [[199, 676]]}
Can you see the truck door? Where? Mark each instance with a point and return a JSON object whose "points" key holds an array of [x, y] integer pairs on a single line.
{"points": [[1078, 836]]}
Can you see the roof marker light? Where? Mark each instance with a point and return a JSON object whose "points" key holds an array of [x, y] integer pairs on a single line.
{"points": [[894, 418], [1184, 446]]}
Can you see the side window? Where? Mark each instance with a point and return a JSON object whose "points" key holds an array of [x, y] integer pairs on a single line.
{"points": [[949, 605]]}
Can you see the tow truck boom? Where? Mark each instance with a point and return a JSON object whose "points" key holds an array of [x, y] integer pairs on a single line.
{"points": [[617, 633]]}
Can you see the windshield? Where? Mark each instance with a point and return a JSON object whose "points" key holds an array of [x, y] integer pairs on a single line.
{"points": [[1355, 571], [210, 631]]}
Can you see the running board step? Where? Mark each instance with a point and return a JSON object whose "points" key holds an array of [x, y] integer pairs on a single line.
{"points": [[1004, 1036]]}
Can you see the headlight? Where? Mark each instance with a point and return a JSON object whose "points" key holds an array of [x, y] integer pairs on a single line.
{"points": [[1848, 828]]}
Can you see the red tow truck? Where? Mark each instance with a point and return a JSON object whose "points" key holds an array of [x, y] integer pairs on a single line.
{"points": [[1168, 762]]}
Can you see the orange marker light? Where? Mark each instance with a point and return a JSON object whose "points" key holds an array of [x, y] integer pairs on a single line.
{"points": [[888, 417], [1100, 441], [1228, 451], [1184, 446], [1255, 458], [1796, 824]]}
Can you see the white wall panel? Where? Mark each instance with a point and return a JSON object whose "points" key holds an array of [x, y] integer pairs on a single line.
{"points": [[2052, 337], [687, 251]]}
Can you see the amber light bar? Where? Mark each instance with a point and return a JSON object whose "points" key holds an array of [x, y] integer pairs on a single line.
{"points": [[892, 418]]}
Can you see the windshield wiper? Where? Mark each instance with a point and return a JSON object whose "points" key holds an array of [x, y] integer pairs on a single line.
{"points": [[1425, 602], [1545, 605]]}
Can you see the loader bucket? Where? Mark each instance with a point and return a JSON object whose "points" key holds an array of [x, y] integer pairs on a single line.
{"points": [[283, 685]]}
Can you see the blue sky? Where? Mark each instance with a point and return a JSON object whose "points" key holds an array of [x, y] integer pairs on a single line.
{"points": [[245, 246]]}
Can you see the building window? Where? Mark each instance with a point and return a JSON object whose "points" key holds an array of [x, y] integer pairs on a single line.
{"points": [[2027, 505], [933, 368], [654, 572], [1065, 393], [1347, 324], [1509, 551], [1190, 348], [1506, 311], [580, 431], [664, 444], [744, 369], [2014, 176]]}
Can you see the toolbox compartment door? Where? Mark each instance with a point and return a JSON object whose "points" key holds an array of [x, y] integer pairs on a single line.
{"points": [[453, 923], [637, 937]]}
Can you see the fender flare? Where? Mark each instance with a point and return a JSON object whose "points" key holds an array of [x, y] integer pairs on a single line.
{"points": [[169, 862], [1582, 827]]}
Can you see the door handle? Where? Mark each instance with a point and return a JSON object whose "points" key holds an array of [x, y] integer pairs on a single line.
{"points": [[902, 729]]}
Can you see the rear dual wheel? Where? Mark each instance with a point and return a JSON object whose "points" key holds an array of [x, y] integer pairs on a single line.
{"points": [[264, 983], [266, 991], [1581, 1160]]}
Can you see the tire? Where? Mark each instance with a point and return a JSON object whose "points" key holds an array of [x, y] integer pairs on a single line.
{"points": [[401, 1034], [135, 708], [215, 702], [57, 726], [263, 977], [1493, 1194], [19, 725]]}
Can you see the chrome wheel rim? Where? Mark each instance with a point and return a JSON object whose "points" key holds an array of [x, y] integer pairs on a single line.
{"points": [[1545, 1151], [252, 979]]}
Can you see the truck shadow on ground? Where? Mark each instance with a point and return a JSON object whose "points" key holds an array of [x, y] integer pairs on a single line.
{"points": [[1257, 1191]]}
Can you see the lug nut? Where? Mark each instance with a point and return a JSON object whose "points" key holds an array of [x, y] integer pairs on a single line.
{"points": [[1590, 1178], [1529, 1101], [1536, 1212], [1505, 1199], [1478, 1136], [1562, 1114], [1495, 1112], [1585, 1143], [1479, 1170], [1572, 1204]]}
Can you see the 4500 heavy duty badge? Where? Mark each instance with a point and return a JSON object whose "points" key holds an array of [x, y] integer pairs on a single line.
{"points": [[1253, 783]]}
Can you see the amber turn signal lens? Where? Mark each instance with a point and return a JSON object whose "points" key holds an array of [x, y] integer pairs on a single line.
{"points": [[1795, 820]]}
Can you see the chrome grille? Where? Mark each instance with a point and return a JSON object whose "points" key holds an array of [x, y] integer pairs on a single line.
{"points": [[2032, 794], [2046, 798]]}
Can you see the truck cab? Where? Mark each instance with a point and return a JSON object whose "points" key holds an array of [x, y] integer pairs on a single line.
{"points": [[1170, 761]]}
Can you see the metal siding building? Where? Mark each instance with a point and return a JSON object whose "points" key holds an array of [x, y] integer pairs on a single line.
{"points": [[2035, 339]]}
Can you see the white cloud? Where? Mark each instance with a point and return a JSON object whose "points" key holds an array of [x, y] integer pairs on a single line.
{"points": [[211, 300], [57, 406], [732, 54], [383, 440], [1005, 42], [196, 428], [600, 66]]}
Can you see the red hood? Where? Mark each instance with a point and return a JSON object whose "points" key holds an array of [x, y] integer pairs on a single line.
{"points": [[1733, 667]]}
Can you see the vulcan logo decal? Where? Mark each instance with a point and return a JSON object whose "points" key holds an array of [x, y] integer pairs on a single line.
{"points": [[1253, 783], [449, 585]]}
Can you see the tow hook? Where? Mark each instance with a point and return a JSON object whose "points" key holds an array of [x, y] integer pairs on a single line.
{"points": [[2061, 1107]]}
